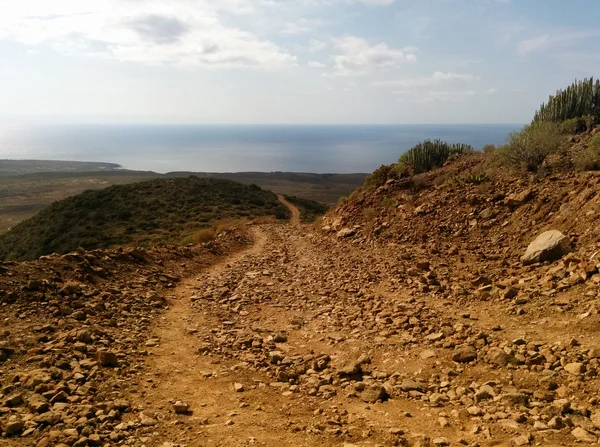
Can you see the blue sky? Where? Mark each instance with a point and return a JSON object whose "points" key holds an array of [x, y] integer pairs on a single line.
{"points": [[284, 61]]}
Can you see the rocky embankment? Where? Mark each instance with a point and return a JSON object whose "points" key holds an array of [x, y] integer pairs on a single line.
{"points": [[73, 338]]}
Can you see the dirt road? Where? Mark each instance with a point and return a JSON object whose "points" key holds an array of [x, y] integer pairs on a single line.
{"points": [[304, 341]]}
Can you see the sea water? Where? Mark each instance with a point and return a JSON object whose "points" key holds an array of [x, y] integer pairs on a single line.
{"points": [[235, 148]]}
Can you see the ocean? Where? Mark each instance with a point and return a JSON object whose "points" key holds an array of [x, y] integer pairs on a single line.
{"points": [[235, 148]]}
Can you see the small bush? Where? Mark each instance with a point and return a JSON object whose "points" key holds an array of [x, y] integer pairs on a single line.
{"points": [[489, 149], [574, 126], [589, 159], [429, 155], [379, 177], [204, 235], [594, 142], [389, 202], [529, 148]]}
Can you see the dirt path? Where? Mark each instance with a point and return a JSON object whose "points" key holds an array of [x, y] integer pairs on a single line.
{"points": [[295, 220], [285, 317], [220, 415]]}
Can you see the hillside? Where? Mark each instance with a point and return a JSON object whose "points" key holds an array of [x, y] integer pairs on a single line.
{"points": [[145, 213], [28, 187]]}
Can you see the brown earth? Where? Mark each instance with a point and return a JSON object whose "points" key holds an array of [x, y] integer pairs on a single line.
{"points": [[286, 335]]}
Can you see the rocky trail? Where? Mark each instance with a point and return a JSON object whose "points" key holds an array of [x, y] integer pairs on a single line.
{"points": [[295, 337]]}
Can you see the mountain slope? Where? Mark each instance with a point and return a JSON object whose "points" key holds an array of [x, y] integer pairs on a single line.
{"points": [[155, 211]]}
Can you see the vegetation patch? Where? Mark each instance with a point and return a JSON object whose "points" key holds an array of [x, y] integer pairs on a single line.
{"points": [[529, 148], [580, 100], [429, 155], [589, 158], [161, 211], [309, 209]]}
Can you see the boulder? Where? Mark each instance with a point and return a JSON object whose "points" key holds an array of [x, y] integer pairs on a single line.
{"points": [[583, 435], [107, 358], [548, 246], [464, 355], [346, 232], [373, 394]]}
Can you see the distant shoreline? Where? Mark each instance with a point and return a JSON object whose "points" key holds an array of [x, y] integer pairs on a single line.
{"points": [[27, 167]]}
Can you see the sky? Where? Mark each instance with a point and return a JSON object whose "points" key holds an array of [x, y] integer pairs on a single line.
{"points": [[291, 61]]}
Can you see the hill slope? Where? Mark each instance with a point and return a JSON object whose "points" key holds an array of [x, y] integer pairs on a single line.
{"points": [[162, 210]]}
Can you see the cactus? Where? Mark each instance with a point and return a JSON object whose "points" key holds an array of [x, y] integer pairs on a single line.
{"points": [[580, 99], [429, 155]]}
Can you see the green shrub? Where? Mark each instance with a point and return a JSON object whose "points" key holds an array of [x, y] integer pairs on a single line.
{"points": [[589, 159], [389, 202], [574, 126], [489, 149], [594, 142], [379, 177], [580, 99], [429, 155], [529, 148]]}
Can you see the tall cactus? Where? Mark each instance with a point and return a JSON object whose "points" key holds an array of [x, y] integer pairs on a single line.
{"points": [[582, 98], [429, 155]]}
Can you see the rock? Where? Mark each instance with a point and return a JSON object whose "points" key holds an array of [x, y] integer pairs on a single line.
{"points": [[518, 199], [521, 440], [594, 353], [276, 357], [584, 436], [411, 385], [556, 423], [280, 337], [146, 420], [498, 357], [181, 407], [38, 403], [427, 354], [84, 336], [373, 394], [575, 368], [464, 355], [14, 401], [14, 428], [107, 358], [71, 288], [346, 232], [94, 440], [595, 418], [238, 387], [548, 246]]}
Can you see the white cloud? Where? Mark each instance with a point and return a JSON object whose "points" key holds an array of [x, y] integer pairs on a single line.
{"points": [[429, 96], [554, 41], [315, 64], [436, 78], [302, 26], [182, 32], [357, 57], [314, 45]]}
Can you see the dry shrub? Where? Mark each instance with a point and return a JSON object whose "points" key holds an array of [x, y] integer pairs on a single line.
{"points": [[529, 148], [228, 224], [318, 223], [489, 149], [441, 179], [589, 159], [265, 220], [203, 236]]}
